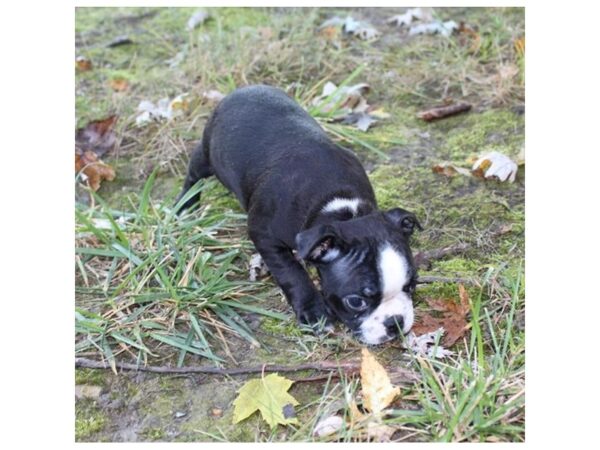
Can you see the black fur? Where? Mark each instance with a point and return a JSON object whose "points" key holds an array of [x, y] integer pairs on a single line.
{"points": [[283, 169]]}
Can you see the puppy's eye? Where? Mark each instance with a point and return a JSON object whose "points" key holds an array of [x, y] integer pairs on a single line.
{"points": [[355, 303]]}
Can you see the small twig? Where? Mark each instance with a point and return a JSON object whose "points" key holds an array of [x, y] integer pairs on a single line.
{"points": [[422, 259], [439, 112], [401, 374]]}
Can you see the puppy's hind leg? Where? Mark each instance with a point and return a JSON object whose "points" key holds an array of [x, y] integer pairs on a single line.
{"points": [[198, 168]]}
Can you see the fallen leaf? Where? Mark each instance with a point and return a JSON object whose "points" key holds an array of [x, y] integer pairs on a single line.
{"points": [[411, 14], [328, 426], [198, 18], [179, 103], [349, 25], [165, 109], [468, 35], [442, 28], [356, 416], [83, 64], [119, 84], [425, 344], [94, 171], [97, 136], [495, 165], [520, 47], [330, 33], [349, 98], [375, 430], [378, 391], [450, 170], [268, 395], [360, 120], [452, 318], [379, 432]]}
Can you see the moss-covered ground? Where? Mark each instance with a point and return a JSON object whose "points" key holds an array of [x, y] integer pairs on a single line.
{"points": [[407, 74]]}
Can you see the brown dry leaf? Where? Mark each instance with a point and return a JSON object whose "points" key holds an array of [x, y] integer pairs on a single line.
{"points": [[83, 64], [94, 169], [453, 318], [119, 84], [97, 136], [379, 432], [331, 33], [520, 47], [450, 170], [378, 391], [468, 35]]}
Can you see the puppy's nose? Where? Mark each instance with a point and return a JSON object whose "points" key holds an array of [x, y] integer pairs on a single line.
{"points": [[394, 324]]}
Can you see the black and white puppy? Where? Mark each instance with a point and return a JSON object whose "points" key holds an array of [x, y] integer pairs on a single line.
{"points": [[306, 195]]}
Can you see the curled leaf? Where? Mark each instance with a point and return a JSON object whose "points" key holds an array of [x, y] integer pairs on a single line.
{"points": [[411, 14], [83, 64], [93, 169], [495, 165], [328, 425], [425, 344], [442, 28], [378, 391], [450, 170]]}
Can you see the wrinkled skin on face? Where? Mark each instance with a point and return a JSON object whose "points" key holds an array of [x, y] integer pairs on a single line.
{"points": [[367, 272]]}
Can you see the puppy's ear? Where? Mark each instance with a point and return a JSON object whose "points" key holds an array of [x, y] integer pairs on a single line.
{"points": [[403, 219], [319, 244]]}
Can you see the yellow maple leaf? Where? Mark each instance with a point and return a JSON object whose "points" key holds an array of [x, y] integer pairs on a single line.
{"points": [[268, 395], [378, 391]]}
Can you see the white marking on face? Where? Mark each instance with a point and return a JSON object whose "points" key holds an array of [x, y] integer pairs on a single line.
{"points": [[393, 270], [338, 204]]}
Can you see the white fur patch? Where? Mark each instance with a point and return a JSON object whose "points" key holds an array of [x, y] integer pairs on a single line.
{"points": [[393, 269], [338, 204]]}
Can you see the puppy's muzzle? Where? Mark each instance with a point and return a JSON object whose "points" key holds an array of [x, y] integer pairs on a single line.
{"points": [[394, 325]]}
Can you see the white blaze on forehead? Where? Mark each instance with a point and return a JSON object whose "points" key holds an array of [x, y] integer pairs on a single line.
{"points": [[338, 204], [393, 270]]}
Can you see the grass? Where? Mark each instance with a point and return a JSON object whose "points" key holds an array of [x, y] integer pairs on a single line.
{"points": [[154, 278], [154, 288]]}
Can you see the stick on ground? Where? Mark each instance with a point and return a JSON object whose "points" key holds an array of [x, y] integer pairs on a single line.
{"points": [[401, 374], [440, 112]]}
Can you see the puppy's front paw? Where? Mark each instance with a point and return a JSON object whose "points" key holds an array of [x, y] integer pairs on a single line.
{"points": [[314, 315]]}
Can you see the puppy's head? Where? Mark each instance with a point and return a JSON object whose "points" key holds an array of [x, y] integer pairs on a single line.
{"points": [[367, 271]]}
